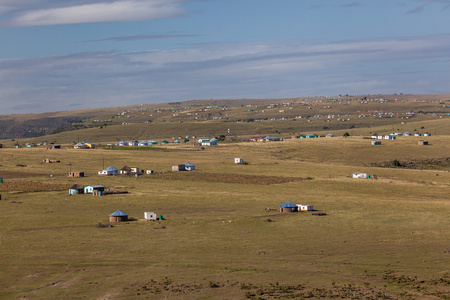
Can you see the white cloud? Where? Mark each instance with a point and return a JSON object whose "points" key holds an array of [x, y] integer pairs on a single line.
{"points": [[107, 11], [249, 70]]}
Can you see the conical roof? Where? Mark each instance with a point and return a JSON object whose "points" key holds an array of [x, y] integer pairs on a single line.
{"points": [[111, 169], [288, 204], [118, 213], [76, 187]]}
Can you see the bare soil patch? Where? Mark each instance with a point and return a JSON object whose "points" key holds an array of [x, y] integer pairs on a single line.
{"points": [[30, 186], [52, 228], [19, 174]]}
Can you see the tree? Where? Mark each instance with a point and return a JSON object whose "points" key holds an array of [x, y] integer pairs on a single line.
{"points": [[346, 134], [396, 163]]}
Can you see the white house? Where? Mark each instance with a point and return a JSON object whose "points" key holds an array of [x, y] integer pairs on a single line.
{"points": [[360, 175], [209, 143], [304, 207], [150, 216], [109, 171]]}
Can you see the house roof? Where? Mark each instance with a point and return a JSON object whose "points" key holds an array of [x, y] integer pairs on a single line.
{"points": [[188, 164], [111, 168], [95, 186], [76, 187], [288, 204], [126, 168], [118, 213]]}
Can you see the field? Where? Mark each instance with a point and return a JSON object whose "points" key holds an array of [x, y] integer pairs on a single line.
{"points": [[223, 236]]}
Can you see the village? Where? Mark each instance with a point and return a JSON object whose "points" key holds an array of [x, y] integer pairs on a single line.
{"points": [[181, 212]]}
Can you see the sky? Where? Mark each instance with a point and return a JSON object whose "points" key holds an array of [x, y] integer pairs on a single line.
{"points": [[58, 55]]}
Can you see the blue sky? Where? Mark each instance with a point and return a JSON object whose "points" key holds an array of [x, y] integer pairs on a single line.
{"points": [[75, 54]]}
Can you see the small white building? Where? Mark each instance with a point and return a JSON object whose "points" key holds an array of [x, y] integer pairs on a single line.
{"points": [[360, 175], [304, 207], [148, 172], [209, 143], [238, 160], [150, 216]]}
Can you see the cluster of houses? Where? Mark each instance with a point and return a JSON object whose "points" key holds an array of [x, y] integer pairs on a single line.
{"points": [[120, 216], [141, 143], [96, 190], [207, 142], [265, 138], [392, 136], [135, 171], [125, 170], [200, 142], [289, 207]]}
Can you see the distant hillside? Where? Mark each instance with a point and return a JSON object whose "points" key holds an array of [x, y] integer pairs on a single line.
{"points": [[17, 128], [222, 116]]}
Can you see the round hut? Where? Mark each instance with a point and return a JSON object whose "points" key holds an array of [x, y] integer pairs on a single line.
{"points": [[76, 189], [118, 216], [288, 207]]}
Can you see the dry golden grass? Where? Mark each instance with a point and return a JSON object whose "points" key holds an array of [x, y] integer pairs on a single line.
{"points": [[225, 178], [216, 240]]}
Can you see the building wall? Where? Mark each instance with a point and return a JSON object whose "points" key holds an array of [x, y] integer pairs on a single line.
{"points": [[287, 209], [118, 219]]}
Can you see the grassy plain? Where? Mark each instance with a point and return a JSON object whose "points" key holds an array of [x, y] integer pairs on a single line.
{"points": [[223, 236]]}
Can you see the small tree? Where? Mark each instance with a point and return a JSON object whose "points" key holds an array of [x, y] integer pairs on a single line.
{"points": [[346, 134], [396, 163]]}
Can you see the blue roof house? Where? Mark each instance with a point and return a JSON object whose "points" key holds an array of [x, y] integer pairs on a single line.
{"points": [[288, 207], [118, 216], [189, 167]]}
